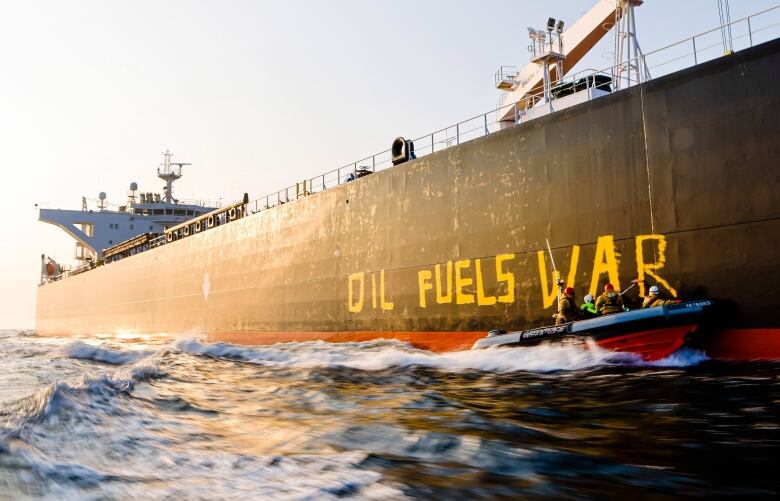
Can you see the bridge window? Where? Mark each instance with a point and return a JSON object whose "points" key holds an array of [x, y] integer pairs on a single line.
{"points": [[158, 212], [169, 212]]}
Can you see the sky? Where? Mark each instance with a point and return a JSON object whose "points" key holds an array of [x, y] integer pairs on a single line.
{"points": [[255, 94]]}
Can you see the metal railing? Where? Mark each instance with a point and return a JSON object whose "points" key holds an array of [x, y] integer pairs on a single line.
{"points": [[505, 75], [747, 32], [209, 204]]}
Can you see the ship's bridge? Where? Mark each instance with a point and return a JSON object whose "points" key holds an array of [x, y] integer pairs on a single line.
{"points": [[105, 225]]}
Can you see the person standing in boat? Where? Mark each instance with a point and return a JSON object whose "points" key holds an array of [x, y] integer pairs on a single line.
{"points": [[610, 302], [567, 308], [654, 299], [589, 307]]}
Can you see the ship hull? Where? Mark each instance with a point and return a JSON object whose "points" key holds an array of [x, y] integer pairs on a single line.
{"points": [[673, 182]]}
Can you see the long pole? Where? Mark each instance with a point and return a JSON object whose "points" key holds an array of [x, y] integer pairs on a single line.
{"points": [[556, 275], [633, 284], [549, 250]]}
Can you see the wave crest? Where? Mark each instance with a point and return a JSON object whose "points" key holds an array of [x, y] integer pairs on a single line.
{"points": [[75, 395], [84, 351]]}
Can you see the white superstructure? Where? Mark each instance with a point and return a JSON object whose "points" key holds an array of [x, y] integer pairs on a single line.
{"points": [[100, 228], [527, 91]]}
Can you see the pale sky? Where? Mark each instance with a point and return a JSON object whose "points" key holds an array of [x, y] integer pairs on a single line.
{"points": [[255, 94]]}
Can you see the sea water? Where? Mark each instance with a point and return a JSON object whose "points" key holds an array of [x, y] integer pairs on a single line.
{"points": [[162, 418]]}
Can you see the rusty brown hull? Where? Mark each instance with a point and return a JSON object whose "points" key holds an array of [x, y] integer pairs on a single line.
{"points": [[674, 182]]}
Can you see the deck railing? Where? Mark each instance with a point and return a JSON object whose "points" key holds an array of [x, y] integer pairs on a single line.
{"points": [[746, 32]]}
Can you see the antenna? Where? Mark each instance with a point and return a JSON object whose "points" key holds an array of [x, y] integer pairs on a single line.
{"points": [[169, 172]]}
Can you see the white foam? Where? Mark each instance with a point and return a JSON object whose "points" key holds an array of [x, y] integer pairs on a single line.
{"points": [[84, 351], [375, 356], [684, 357]]}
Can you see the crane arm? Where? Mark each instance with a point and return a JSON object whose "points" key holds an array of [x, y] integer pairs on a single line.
{"points": [[578, 40]]}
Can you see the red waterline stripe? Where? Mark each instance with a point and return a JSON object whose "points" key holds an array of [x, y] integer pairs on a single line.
{"points": [[438, 341], [743, 344]]}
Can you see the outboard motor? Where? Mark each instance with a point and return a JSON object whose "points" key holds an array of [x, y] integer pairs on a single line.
{"points": [[402, 151]]}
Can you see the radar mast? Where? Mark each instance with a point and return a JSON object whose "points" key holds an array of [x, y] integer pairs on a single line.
{"points": [[169, 172]]}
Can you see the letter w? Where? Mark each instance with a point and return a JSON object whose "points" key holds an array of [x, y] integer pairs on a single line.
{"points": [[550, 291]]}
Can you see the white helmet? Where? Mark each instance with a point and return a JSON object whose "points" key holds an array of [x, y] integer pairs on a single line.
{"points": [[654, 290], [589, 298]]}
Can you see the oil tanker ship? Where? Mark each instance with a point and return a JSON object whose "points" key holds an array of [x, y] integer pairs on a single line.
{"points": [[592, 177]]}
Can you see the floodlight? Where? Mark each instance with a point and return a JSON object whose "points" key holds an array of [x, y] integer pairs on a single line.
{"points": [[550, 23], [531, 32], [559, 27]]}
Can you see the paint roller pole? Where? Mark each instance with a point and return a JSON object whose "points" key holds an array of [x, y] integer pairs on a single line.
{"points": [[550, 252], [556, 276], [634, 283]]}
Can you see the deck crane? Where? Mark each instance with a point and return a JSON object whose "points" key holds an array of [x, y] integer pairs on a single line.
{"points": [[580, 38]]}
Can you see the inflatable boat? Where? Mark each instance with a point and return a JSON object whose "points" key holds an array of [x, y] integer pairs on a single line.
{"points": [[652, 333]]}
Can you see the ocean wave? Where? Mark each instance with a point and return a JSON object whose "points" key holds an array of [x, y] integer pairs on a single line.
{"points": [[11, 333], [84, 351], [78, 395], [299, 476], [171, 476], [376, 356]]}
